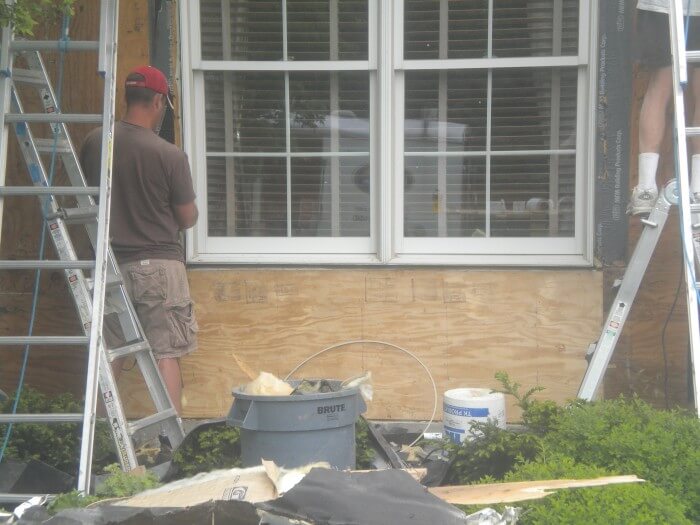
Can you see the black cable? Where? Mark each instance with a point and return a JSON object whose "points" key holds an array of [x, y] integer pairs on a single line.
{"points": [[663, 332]]}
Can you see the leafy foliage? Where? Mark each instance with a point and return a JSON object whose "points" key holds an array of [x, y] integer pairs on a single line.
{"points": [[24, 15], [214, 448], [122, 484], [57, 445], [364, 453], [631, 437], [637, 503], [540, 416], [492, 452], [70, 500]]}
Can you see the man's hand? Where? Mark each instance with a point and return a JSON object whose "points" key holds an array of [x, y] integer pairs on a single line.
{"points": [[186, 215]]}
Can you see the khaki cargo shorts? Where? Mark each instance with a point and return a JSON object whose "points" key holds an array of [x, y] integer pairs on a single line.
{"points": [[161, 296]]}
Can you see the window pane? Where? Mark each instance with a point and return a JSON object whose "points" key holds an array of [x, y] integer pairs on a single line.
{"points": [[247, 197], [445, 110], [327, 30], [464, 29], [330, 197], [245, 111], [330, 111], [241, 29], [520, 28], [534, 109], [444, 196], [535, 28], [532, 196]]}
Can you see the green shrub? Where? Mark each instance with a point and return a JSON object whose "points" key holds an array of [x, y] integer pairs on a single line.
{"points": [[217, 447], [57, 445], [364, 453], [122, 484], [554, 466], [631, 504], [492, 452], [540, 416], [70, 500], [631, 437]]}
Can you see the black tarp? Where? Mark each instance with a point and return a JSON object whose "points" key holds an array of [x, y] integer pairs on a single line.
{"points": [[384, 497]]}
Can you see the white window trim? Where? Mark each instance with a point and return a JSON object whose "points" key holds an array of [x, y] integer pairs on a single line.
{"points": [[386, 245]]}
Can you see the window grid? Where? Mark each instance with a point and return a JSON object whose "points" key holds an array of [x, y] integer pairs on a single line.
{"points": [[579, 61]]}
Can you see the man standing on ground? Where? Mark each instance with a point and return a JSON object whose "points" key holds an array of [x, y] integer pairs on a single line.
{"points": [[152, 201]]}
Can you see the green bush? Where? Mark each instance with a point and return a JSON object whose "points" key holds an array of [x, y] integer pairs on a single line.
{"points": [[638, 503], [57, 445], [492, 452], [631, 437], [539, 416], [632, 504], [122, 484], [217, 447], [70, 500], [364, 453]]}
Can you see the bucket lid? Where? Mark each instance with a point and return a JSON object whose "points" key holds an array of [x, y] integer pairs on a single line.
{"points": [[467, 394]]}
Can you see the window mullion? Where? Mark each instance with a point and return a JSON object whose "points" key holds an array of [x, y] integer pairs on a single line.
{"points": [[489, 104], [385, 150], [442, 124], [334, 108]]}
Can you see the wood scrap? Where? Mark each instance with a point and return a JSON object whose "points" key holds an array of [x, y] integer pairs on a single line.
{"points": [[491, 493]]}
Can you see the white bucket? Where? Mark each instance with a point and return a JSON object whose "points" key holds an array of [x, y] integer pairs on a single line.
{"points": [[462, 406]]}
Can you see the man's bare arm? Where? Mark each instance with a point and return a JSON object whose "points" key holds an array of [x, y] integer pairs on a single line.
{"points": [[186, 215]]}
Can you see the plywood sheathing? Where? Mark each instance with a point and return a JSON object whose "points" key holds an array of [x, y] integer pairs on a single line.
{"points": [[465, 326], [57, 369]]}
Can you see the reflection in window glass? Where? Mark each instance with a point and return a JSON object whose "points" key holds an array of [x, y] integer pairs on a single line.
{"points": [[247, 197], [330, 111], [445, 110], [241, 29], [441, 29], [330, 196]]}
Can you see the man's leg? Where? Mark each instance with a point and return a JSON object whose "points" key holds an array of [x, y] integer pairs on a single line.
{"points": [[652, 126], [170, 370]]}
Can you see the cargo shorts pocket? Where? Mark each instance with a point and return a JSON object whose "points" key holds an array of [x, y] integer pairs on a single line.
{"points": [[149, 283], [183, 325]]}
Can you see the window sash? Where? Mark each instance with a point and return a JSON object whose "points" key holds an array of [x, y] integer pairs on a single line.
{"points": [[387, 244]]}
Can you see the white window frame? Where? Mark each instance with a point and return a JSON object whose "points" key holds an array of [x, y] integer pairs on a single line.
{"points": [[386, 244]]}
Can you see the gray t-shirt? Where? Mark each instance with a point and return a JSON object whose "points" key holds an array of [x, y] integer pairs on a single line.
{"points": [[661, 6], [149, 177]]}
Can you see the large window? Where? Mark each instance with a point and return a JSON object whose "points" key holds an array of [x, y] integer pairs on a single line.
{"points": [[427, 131]]}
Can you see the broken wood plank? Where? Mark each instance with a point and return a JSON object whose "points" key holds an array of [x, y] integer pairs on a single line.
{"points": [[520, 490]]}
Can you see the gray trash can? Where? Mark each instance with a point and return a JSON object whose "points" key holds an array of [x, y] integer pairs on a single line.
{"points": [[300, 429]]}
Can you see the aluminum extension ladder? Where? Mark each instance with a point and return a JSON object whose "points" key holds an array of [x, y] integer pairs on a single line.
{"points": [[89, 296], [676, 192]]}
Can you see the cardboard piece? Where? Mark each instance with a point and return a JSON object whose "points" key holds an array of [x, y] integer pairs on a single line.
{"points": [[252, 485]]}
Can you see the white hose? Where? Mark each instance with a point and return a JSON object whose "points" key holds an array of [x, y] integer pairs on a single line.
{"points": [[391, 345]]}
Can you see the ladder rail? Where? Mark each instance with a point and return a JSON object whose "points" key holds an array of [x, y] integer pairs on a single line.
{"points": [[626, 294], [98, 363], [680, 80]]}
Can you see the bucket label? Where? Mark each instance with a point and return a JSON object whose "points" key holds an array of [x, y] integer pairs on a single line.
{"points": [[331, 411], [454, 434], [465, 412]]}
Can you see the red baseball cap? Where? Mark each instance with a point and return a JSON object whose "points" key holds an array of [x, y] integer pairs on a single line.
{"points": [[152, 78]]}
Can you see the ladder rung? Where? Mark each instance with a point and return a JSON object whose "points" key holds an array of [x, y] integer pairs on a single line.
{"points": [[54, 45], [151, 420], [692, 56], [123, 351], [46, 265], [54, 118], [51, 145], [42, 418], [75, 215], [7, 191], [28, 76], [692, 132], [44, 340]]}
